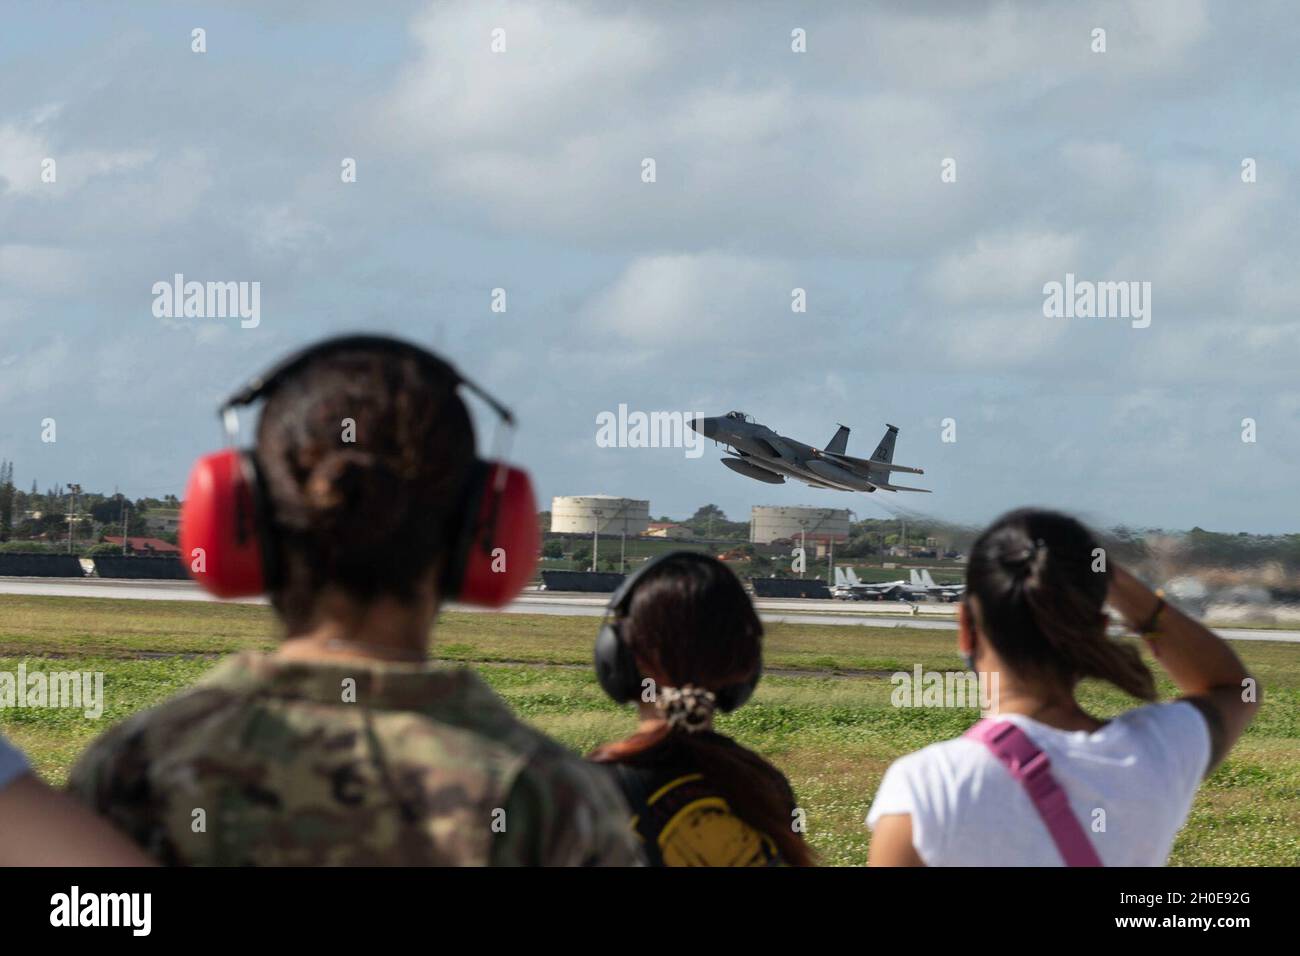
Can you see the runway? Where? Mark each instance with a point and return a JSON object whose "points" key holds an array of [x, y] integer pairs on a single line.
{"points": [[939, 617]]}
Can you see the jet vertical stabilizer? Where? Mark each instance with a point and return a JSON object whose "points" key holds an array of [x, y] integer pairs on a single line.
{"points": [[884, 452]]}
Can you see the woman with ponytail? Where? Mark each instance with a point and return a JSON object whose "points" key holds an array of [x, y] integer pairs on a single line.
{"points": [[682, 640], [1039, 781]]}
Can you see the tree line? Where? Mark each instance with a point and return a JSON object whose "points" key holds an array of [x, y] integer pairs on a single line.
{"points": [[99, 513]]}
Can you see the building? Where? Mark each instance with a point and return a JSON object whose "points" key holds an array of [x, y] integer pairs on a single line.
{"points": [[144, 545], [599, 514], [816, 526], [163, 522], [667, 529]]}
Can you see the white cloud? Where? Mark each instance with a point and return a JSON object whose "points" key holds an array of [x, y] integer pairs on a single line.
{"points": [[1104, 165], [1005, 268], [564, 67], [25, 146], [40, 270], [668, 301], [279, 232]]}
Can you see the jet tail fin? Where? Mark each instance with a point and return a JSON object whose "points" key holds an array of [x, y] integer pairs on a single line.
{"points": [[838, 444], [884, 452]]}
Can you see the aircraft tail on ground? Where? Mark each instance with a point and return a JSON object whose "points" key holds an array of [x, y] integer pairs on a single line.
{"points": [[838, 444]]}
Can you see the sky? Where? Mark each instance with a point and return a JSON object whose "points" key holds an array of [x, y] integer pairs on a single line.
{"points": [[828, 170]]}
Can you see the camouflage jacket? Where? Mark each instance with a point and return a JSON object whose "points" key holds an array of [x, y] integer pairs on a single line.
{"points": [[271, 762]]}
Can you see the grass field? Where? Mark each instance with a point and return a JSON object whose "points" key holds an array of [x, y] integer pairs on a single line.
{"points": [[822, 714]]}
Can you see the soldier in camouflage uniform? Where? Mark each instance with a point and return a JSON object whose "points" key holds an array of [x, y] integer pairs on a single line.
{"points": [[346, 746], [270, 762]]}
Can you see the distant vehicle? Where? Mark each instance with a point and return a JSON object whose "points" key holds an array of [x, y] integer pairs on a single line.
{"points": [[757, 452], [1244, 594], [849, 588], [1188, 594]]}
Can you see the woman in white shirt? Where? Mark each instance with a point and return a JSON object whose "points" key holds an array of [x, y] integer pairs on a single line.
{"points": [[1040, 782], [43, 827]]}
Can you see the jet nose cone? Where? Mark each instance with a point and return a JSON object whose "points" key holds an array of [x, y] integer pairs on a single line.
{"points": [[705, 426]]}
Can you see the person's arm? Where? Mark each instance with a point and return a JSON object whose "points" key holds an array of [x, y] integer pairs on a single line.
{"points": [[42, 827], [561, 812], [111, 779], [1207, 671], [891, 842]]}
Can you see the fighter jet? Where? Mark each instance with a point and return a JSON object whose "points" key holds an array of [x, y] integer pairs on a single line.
{"points": [[922, 585], [849, 588], [757, 452]]}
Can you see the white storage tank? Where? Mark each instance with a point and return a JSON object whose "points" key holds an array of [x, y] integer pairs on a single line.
{"points": [[768, 523], [599, 514]]}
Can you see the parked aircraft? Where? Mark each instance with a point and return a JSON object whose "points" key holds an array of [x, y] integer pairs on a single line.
{"points": [[921, 584], [849, 588]]}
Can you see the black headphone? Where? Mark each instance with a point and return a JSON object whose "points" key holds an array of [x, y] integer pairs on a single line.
{"points": [[616, 667]]}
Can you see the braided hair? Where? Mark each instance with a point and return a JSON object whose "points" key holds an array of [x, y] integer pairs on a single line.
{"points": [[365, 456]]}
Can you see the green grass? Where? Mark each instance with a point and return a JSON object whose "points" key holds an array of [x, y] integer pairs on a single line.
{"points": [[823, 715]]}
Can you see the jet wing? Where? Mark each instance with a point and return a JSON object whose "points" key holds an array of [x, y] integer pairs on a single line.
{"points": [[864, 463]]}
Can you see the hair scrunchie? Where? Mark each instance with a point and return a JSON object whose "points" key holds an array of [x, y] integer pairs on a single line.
{"points": [[687, 708]]}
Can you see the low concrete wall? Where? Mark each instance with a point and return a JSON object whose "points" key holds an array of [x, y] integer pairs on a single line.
{"points": [[37, 565], [153, 567], [600, 582], [790, 588]]}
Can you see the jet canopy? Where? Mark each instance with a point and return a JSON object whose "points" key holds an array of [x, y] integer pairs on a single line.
{"points": [[740, 417]]}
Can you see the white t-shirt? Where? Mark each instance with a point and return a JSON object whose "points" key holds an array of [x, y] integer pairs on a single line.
{"points": [[12, 763], [1142, 769]]}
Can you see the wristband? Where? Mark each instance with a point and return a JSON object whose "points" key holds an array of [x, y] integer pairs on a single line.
{"points": [[1153, 622]]}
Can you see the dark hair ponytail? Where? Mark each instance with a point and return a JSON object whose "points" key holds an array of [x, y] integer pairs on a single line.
{"points": [[1039, 582], [691, 622]]}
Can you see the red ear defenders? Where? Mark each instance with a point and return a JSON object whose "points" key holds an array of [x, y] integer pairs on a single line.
{"points": [[616, 667], [227, 537]]}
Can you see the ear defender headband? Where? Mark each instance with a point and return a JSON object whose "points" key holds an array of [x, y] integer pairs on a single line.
{"points": [[616, 667], [227, 535]]}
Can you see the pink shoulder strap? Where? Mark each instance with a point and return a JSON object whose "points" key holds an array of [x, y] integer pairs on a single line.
{"points": [[1030, 766]]}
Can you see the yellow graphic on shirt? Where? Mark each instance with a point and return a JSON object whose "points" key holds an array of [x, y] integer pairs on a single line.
{"points": [[692, 826]]}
